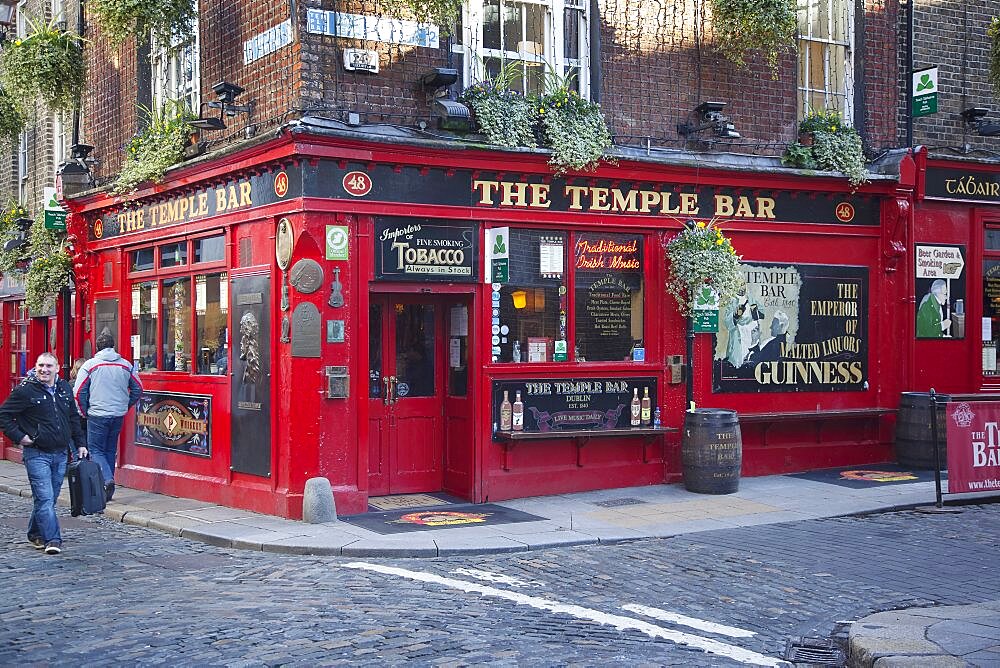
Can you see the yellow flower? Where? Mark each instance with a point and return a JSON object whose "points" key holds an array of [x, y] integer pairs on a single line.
{"points": [[718, 242], [701, 224]]}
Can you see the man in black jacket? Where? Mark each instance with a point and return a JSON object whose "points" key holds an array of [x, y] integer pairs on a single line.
{"points": [[40, 415]]}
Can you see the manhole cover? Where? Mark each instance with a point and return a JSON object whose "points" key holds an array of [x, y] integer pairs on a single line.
{"points": [[615, 503], [814, 652]]}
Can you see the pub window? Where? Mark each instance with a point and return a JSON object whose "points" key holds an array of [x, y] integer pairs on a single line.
{"points": [[209, 249], [145, 305], [173, 255], [141, 260], [175, 325], [211, 306], [529, 302], [608, 304]]}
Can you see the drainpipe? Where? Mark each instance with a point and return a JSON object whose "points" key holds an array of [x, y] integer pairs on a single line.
{"points": [[595, 51], [909, 73]]}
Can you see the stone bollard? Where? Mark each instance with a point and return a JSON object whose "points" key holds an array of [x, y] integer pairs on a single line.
{"points": [[318, 505]]}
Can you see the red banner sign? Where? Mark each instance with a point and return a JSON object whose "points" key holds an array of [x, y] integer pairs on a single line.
{"points": [[973, 446]]}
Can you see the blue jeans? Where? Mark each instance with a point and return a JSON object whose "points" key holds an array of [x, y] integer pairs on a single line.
{"points": [[102, 441], [46, 471]]}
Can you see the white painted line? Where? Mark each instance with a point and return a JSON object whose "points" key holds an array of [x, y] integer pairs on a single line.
{"points": [[617, 621], [498, 578], [693, 622]]}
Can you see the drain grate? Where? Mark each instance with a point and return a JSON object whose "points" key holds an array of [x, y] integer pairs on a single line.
{"points": [[616, 503], [814, 652]]}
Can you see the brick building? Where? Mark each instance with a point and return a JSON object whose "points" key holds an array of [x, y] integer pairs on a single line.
{"points": [[273, 291]]}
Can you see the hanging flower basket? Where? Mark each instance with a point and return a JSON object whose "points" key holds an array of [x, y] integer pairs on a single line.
{"points": [[12, 120], [575, 130], [744, 26], [157, 148], [700, 255], [170, 21], [829, 145], [506, 117], [48, 64]]}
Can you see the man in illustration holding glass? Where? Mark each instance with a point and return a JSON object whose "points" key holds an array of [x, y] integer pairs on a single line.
{"points": [[933, 321]]}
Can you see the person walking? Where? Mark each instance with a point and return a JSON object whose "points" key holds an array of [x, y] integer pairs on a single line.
{"points": [[106, 388], [40, 416]]}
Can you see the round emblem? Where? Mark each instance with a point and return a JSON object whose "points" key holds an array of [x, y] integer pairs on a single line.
{"points": [[357, 184], [402, 389], [98, 228], [283, 244], [336, 242], [281, 184], [845, 212], [496, 329], [306, 276]]}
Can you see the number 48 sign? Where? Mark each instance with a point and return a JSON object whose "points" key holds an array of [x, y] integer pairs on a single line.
{"points": [[357, 184]]}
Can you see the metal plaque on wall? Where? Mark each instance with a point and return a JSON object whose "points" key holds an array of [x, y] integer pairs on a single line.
{"points": [[306, 330], [250, 446], [306, 276]]}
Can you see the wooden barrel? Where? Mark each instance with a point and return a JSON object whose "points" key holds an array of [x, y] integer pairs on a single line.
{"points": [[914, 445], [711, 451]]}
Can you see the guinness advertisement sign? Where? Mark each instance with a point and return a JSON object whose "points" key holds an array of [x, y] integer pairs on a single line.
{"points": [[418, 249], [962, 184], [797, 328]]}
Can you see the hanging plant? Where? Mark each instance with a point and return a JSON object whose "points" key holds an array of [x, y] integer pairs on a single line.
{"points": [[574, 128], [703, 265], [993, 32], [50, 269], [13, 260], [48, 64], [767, 26], [506, 117], [160, 146], [442, 13], [12, 120], [170, 21], [826, 143]]}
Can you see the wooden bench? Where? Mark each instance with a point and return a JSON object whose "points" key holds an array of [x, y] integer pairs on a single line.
{"points": [[768, 419], [508, 439]]}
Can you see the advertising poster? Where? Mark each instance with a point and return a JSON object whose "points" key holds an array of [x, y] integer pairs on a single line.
{"points": [[178, 422], [973, 446], [940, 287], [797, 328]]}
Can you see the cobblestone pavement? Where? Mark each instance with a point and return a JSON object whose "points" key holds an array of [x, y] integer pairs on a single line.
{"points": [[125, 595]]}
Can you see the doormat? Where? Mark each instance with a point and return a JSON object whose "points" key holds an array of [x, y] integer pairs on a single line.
{"points": [[454, 517], [870, 475], [400, 501]]}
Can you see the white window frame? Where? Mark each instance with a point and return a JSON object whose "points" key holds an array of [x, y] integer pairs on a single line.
{"points": [[833, 92], [22, 169], [58, 139], [553, 48], [21, 21], [176, 70], [57, 9]]}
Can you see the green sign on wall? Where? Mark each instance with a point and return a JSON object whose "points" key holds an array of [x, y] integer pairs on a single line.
{"points": [[925, 92]]}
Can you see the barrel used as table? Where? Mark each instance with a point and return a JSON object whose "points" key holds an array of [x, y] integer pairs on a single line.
{"points": [[711, 451], [914, 444]]}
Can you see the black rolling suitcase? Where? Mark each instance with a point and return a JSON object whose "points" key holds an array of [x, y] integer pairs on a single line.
{"points": [[86, 487]]}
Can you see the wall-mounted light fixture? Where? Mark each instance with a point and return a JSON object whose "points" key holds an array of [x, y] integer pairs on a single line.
{"points": [[7, 8], [520, 298], [451, 115], [710, 116], [73, 176], [975, 119], [227, 93]]}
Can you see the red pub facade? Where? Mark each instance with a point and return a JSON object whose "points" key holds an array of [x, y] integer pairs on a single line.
{"points": [[326, 304]]}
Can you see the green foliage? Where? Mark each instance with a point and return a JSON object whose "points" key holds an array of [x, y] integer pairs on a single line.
{"points": [[835, 147], [742, 26], [442, 13], [170, 21], [506, 117], [15, 260], [48, 64], [575, 130], [12, 120], [699, 255], [160, 146], [993, 32], [50, 269]]}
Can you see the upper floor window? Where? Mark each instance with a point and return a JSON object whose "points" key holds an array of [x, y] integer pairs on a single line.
{"points": [[826, 60], [58, 139], [534, 33], [176, 72], [22, 168]]}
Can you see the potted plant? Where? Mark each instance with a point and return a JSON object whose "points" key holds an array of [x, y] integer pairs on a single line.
{"points": [[169, 21], [826, 143], [47, 64], [12, 260], [12, 120], [993, 32], [701, 256], [160, 146], [50, 268], [506, 117], [574, 128], [742, 26]]}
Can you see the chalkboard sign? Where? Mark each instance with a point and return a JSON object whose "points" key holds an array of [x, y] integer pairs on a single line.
{"points": [[574, 403]]}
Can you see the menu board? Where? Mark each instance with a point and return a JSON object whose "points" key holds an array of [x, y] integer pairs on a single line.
{"points": [[608, 283]]}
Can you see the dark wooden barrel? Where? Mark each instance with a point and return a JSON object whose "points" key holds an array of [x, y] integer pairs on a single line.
{"points": [[711, 451], [914, 445]]}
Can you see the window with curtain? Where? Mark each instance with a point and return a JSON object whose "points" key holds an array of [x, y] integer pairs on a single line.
{"points": [[176, 72], [826, 65]]}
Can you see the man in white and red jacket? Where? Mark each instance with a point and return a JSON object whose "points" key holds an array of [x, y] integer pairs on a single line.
{"points": [[106, 388]]}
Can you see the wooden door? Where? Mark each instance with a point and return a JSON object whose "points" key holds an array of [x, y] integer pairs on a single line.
{"points": [[406, 395]]}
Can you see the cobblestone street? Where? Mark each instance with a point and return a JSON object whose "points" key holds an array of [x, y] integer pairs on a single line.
{"points": [[126, 595]]}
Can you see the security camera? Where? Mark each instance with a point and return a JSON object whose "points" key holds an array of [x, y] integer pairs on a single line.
{"points": [[974, 113], [710, 107], [989, 129]]}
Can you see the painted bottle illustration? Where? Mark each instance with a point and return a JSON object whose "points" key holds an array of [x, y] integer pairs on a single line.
{"points": [[647, 407], [505, 412], [517, 413], [636, 412]]}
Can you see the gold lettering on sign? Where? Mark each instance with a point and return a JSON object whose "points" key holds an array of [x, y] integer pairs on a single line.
{"points": [[968, 185]]}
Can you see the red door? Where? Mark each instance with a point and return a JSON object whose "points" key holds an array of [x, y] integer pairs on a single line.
{"points": [[406, 395]]}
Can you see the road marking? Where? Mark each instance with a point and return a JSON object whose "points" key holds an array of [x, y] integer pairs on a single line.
{"points": [[617, 621], [498, 578], [700, 624]]}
